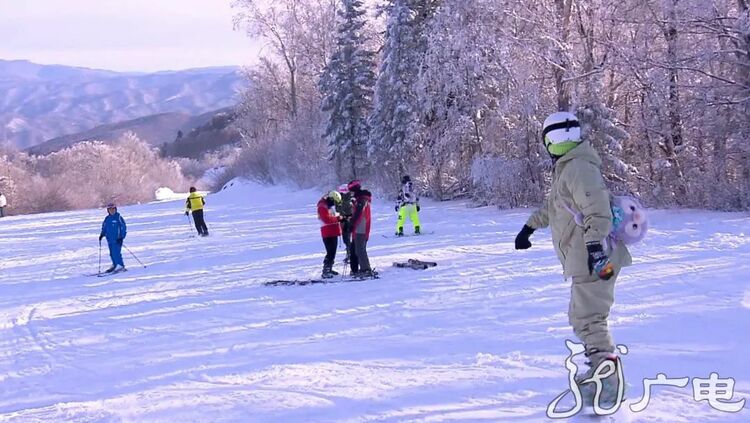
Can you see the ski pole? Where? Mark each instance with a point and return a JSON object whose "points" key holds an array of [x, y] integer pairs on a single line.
{"points": [[345, 263], [190, 223], [134, 256], [100, 257]]}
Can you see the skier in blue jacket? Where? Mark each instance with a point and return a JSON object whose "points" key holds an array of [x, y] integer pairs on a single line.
{"points": [[115, 230]]}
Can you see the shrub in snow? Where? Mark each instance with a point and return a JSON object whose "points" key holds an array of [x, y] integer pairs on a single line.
{"points": [[90, 174], [505, 182]]}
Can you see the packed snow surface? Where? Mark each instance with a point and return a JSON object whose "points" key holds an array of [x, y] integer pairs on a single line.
{"points": [[196, 336]]}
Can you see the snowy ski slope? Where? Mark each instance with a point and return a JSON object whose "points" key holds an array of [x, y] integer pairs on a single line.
{"points": [[196, 337]]}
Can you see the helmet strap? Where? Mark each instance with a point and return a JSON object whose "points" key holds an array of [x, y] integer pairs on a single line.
{"points": [[560, 125]]}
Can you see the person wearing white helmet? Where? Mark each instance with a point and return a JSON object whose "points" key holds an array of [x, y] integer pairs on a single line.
{"points": [[115, 230], [407, 206], [591, 264]]}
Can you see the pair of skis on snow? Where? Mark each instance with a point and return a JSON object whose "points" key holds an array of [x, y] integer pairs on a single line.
{"points": [[408, 235], [283, 282], [410, 264], [104, 274], [415, 264]]}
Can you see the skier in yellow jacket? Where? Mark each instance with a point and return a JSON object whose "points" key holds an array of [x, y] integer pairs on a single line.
{"points": [[195, 203], [591, 264]]}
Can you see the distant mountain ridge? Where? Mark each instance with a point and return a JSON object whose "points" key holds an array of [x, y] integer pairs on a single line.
{"points": [[212, 135], [43, 102], [155, 129]]}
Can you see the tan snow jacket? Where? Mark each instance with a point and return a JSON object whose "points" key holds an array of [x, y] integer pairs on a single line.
{"points": [[578, 184]]}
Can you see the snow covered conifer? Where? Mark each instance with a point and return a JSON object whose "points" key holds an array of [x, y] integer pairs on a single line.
{"points": [[347, 85], [392, 141]]}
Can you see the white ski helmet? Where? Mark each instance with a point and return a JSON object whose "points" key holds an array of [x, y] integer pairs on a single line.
{"points": [[561, 133]]}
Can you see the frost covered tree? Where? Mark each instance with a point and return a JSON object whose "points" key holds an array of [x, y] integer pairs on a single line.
{"points": [[87, 174], [347, 85], [597, 119], [662, 88], [393, 145], [279, 115], [460, 86], [299, 36]]}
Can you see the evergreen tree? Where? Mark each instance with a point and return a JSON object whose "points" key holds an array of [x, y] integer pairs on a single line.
{"points": [[393, 145], [347, 85]]}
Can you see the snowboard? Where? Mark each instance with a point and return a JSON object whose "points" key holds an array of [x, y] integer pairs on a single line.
{"points": [[415, 264], [587, 413]]}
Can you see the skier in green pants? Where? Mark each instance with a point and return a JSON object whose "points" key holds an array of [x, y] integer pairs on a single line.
{"points": [[407, 206]]}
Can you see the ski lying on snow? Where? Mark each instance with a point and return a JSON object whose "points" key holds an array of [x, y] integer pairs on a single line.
{"points": [[415, 264], [410, 266], [425, 263]]}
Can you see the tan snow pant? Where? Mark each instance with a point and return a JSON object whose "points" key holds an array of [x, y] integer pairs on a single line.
{"points": [[590, 301]]}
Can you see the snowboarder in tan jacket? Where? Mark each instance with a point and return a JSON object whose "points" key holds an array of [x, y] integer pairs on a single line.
{"points": [[590, 263]]}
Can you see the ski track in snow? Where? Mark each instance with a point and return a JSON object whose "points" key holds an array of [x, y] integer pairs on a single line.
{"points": [[196, 337]]}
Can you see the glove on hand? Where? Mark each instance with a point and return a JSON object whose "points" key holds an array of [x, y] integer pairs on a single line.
{"points": [[119, 241], [418, 208], [522, 239], [187, 213], [397, 207], [599, 262], [100, 238]]}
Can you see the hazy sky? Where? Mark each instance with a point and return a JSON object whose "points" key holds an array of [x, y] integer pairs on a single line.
{"points": [[125, 35]]}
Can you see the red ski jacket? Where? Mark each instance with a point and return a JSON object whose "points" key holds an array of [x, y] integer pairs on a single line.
{"points": [[329, 222], [362, 217]]}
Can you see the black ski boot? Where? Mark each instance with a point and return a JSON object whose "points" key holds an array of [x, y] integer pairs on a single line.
{"points": [[416, 230], [400, 232], [366, 274]]}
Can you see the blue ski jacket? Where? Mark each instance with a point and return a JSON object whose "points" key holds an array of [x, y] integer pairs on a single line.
{"points": [[114, 228]]}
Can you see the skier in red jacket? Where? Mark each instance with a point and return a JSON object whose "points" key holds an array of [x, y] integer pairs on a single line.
{"points": [[361, 220], [330, 229]]}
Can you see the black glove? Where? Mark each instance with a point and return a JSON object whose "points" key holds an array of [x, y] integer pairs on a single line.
{"points": [[418, 208], [522, 239], [598, 261], [397, 207], [100, 237], [119, 241], [187, 213]]}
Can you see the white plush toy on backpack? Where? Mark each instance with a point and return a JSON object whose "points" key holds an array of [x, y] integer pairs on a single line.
{"points": [[629, 220]]}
